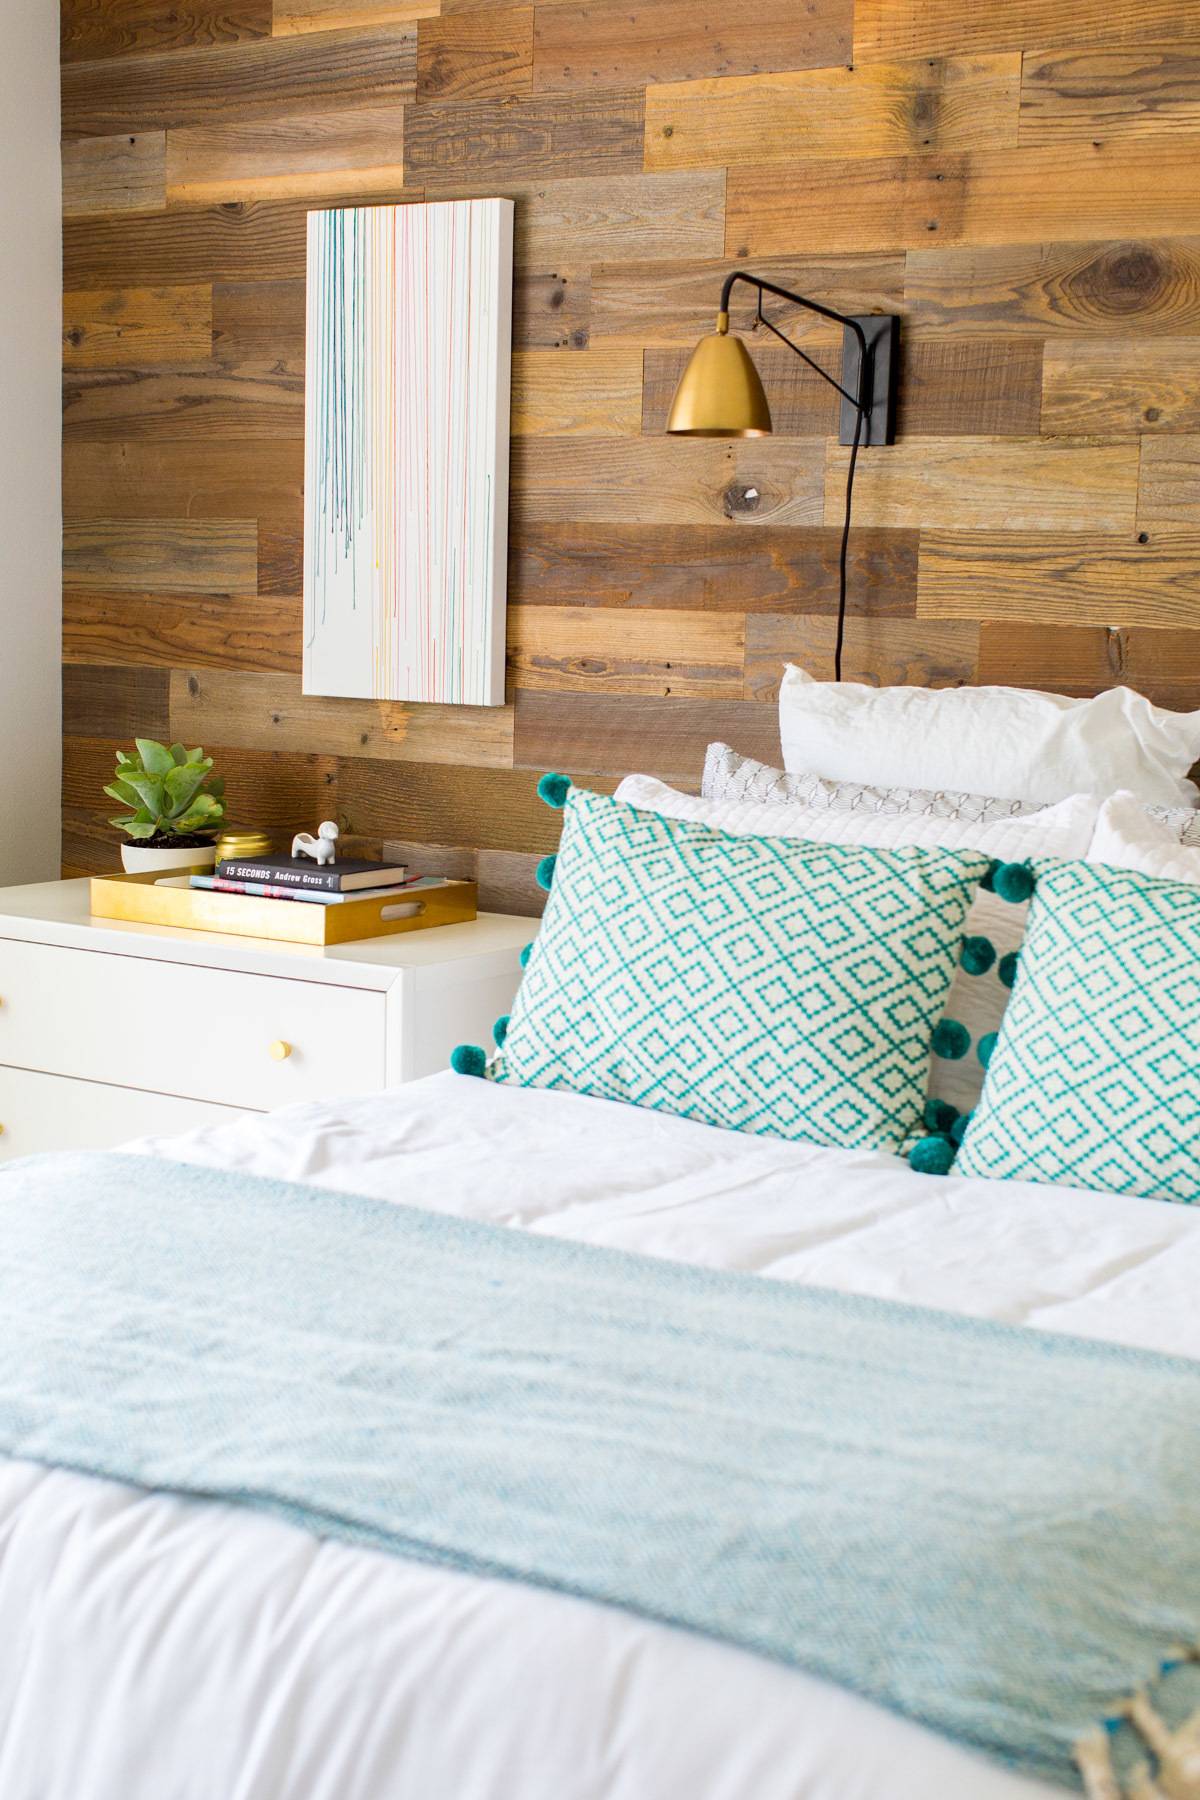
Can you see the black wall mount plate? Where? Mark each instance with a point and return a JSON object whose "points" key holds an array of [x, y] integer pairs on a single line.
{"points": [[882, 331]]}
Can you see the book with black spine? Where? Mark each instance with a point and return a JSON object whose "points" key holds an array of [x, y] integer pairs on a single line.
{"points": [[343, 876]]}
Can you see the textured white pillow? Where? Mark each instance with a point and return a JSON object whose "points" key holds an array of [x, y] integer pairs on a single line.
{"points": [[977, 1001], [989, 740], [1126, 838], [729, 776]]}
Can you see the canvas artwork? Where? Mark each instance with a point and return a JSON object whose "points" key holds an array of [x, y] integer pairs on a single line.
{"points": [[406, 451]]}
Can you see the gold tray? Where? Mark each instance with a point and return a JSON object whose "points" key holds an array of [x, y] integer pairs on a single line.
{"points": [[138, 898]]}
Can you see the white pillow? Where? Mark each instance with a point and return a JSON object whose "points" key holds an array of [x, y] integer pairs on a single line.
{"points": [[989, 740], [1127, 838], [977, 1001], [730, 776]]}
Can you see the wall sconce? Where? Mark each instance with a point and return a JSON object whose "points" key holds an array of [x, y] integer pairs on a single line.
{"points": [[720, 393]]}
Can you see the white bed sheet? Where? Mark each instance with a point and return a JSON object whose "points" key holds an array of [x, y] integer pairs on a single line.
{"points": [[153, 1648]]}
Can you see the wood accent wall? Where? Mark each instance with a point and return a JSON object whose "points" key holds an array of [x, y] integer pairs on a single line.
{"points": [[1017, 178]]}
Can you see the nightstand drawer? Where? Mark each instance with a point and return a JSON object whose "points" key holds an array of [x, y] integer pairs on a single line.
{"points": [[255, 1041], [50, 1112]]}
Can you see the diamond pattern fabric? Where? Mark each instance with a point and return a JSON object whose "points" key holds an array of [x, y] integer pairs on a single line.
{"points": [[1095, 1081], [766, 985]]}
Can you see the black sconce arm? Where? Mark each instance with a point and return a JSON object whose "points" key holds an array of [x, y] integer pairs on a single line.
{"points": [[861, 400]]}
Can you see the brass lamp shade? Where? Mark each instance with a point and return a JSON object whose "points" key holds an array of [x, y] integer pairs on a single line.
{"points": [[719, 393]]}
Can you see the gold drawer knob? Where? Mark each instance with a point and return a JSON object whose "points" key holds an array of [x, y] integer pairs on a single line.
{"points": [[281, 1050]]}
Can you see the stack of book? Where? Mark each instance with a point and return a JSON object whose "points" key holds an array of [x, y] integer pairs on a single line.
{"points": [[299, 878]]}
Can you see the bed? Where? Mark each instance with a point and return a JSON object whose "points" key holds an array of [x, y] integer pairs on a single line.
{"points": [[224, 1652]]}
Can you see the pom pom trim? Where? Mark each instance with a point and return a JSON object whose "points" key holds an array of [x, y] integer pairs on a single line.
{"points": [[977, 955], [525, 955], [544, 873], [500, 1029], [985, 1047], [1013, 882], [932, 1156], [950, 1040], [554, 789], [468, 1059]]}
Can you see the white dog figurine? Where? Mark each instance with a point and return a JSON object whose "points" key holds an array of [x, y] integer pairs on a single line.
{"points": [[322, 848]]}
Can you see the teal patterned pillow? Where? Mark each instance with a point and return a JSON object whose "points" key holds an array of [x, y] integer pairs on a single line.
{"points": [[762, 984], [1095, 1081]]}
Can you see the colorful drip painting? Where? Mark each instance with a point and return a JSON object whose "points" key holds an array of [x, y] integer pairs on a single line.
{"points": [[406, 451]]}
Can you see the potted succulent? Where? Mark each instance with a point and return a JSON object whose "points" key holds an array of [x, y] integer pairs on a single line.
{"points": [[176, 806]]}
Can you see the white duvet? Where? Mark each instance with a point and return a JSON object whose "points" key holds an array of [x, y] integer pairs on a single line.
{"points": [[159, 1649]]}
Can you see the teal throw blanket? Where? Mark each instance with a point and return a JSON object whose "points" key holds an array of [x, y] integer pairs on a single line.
{"points": [[993, 1530]]}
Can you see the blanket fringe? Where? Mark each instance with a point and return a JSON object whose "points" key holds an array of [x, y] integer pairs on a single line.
{"points": [[1176, 1774]]}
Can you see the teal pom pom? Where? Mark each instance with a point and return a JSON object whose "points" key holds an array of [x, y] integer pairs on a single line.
{"points": [[950, 1040], [1013, 882], [468, 1059], [932, 1156], [978, 955], [958, 1130], [940, 1115], [553, 789], [544, 873], [500, 1029], [985, 1046], [525, 955], [988, 884], [1008, 968]]}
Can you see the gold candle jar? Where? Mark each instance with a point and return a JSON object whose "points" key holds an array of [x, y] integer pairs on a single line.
{"points": [[243, 844]]}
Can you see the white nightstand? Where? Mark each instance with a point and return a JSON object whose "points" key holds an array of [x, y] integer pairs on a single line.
{"points": [[111, 1030]]}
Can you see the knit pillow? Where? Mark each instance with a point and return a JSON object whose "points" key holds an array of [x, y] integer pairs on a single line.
{"points": [[765, 985], [1095, 1080]]}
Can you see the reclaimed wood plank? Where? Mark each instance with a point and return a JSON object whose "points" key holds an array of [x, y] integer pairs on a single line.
{"points": [[308, 155], [1136, 286], [596, 394], [506, 879], [117, 174], [1097, 578], [861, 109], [269, 712], [552, 311], [559, 224], [158, 90], [697, 481], [663, 303], [90, 29], [518, 138], [281, 557], [185, 479], [879, 652], [1169, 483], [613, 735], [607, 650], [487, 809], [174, 556], [184, 400], [1103, 91], [976, 387], [772, 568], [166, 630], [1084, 660], [1121, 385], [109, 328], [293, 18], [1026, 195], [476, 55], [115, 703], [601, 43], [948, 28], [988, 387], [991, 484]]}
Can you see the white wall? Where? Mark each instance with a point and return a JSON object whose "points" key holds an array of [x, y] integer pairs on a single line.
{"points": [[30, 437]]}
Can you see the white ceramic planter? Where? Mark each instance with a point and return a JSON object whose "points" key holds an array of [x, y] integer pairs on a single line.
{"points": [[137, 860]]}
